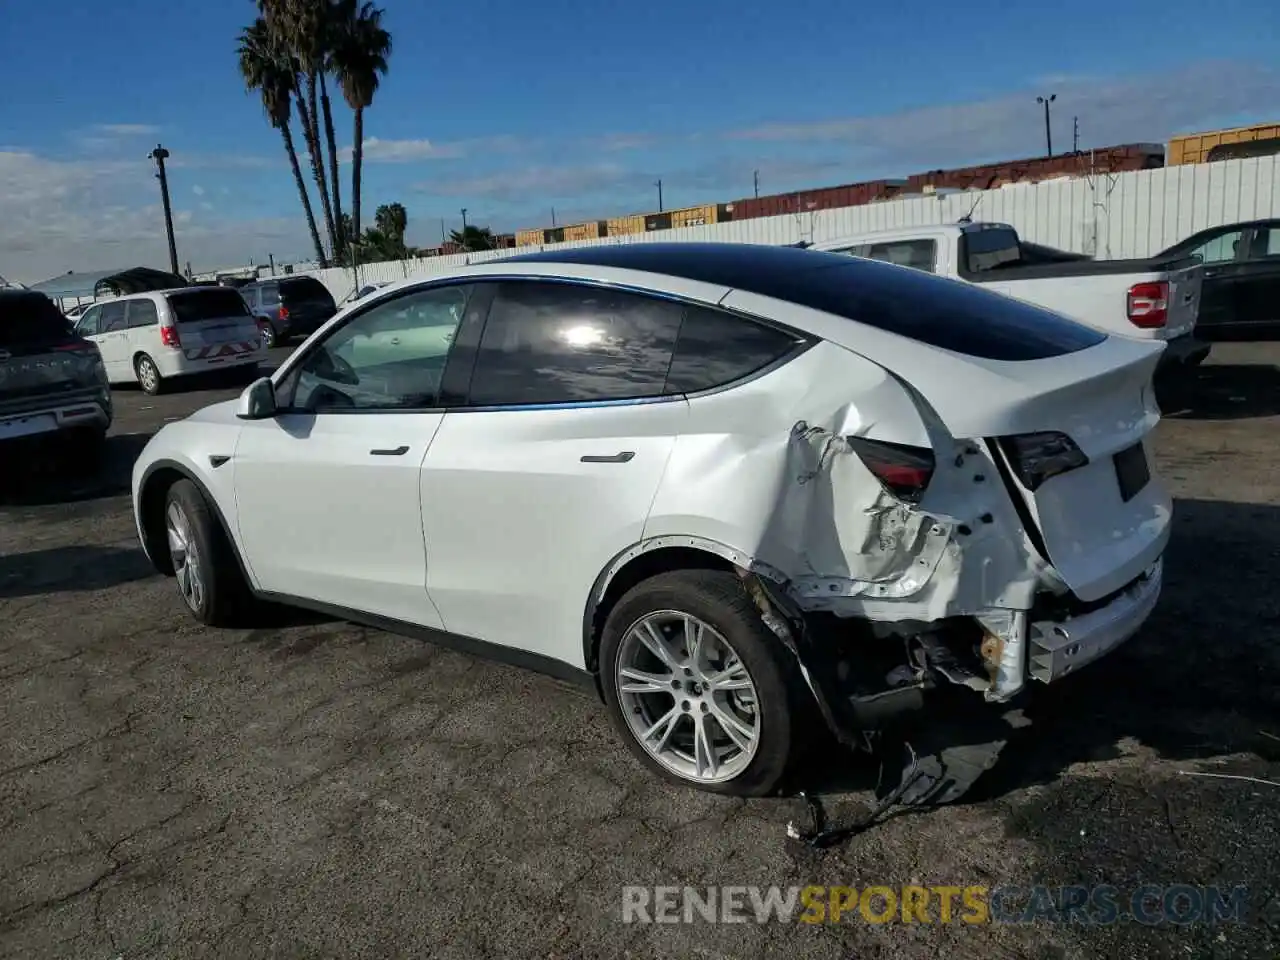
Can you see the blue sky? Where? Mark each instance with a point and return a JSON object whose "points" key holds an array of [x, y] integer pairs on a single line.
{"points": [[510, 109]]}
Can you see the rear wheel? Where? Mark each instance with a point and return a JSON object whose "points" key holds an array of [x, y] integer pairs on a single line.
{"points": [[204, 563], [269, 338], [148, 374], [697, 685]]}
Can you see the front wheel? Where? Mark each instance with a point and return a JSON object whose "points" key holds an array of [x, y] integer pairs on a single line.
{"points": [[204, 564], [697, 685]]}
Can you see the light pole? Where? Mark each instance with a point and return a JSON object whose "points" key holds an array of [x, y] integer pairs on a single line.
{"points": [[755, 178], [1048, 135], [658, 184], [464, 219], [160, 155]]}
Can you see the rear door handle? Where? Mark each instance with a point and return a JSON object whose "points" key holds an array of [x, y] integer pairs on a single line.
{"points": [[622, 457], [393, 452]]}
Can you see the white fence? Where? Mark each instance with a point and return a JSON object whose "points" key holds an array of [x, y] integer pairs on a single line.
{"points": [[1108, 216]]}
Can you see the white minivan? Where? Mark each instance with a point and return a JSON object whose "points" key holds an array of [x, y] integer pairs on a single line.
{"points": [[149, 338]]}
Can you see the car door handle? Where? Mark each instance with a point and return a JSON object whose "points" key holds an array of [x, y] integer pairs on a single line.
{"points": [[622, 457], [393, 452]]}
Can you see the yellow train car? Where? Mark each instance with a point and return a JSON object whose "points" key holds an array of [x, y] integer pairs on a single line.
{"points": [[695, 216], [587, 231], [619, 226], [1201, 147], [530, 238]]}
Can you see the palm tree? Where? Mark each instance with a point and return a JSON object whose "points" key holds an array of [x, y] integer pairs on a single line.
{"points": [[266, 68], [300, 26], [358, 58], [471, 238]]}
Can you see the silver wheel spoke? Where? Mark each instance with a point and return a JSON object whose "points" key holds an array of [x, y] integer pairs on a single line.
{"points": [[642, 682], [732, 677], [662, 729], [704, 750], [657, 645], [740, 733], [693, 633]]}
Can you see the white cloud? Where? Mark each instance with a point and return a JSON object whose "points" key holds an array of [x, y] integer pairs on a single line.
{"points": [[405, 151], [198, 190], [125, 129]]}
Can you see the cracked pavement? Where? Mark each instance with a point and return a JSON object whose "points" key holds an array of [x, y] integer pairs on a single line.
{"points": [[309, 788]]}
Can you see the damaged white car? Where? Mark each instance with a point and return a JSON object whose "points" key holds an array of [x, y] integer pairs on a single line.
{"points": [[720, 483]]}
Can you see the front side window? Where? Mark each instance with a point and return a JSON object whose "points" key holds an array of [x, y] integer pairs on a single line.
{"points": [[1220, 249], [87, 326], [142, 313], [717, 348], [113, 318], [566, 343], [390, 357], [1266, 243]]}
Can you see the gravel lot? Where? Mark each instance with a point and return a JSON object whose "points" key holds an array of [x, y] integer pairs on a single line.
{"points": [[313, 789]]}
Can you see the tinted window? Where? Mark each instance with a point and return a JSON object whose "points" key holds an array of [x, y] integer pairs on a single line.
{"points": [[1219, 249], [982, 250], [31, 319], [391, 357], [270, 296], [87, 325], [250, 296], [113, 318], [943, 313], [305, 289], [918, 254], [560, 343], [211, 303], [715, 348], [142, 313], [1266, 243]]}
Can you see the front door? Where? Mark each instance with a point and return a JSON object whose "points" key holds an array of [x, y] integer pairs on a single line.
{"points": [[1258, 294], [328, 490], [549, 470]]}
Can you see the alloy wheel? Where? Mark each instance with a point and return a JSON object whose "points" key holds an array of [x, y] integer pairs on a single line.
{"points": [[148, 375], [185, 556], [687, 696]]}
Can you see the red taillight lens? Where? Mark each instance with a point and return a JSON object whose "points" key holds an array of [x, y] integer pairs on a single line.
{"points": [[283, 313], [79, 346], [169, 337], [1036, 457], [1148, 305], [903, 470]]}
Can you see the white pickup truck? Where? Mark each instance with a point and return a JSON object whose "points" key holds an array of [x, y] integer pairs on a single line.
{"points": [[1156, 299]]}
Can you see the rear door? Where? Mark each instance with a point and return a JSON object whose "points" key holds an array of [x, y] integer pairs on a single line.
{"points": [[43, 364], [550, 469], [213, 323], [308, 303], [1258, 290]]}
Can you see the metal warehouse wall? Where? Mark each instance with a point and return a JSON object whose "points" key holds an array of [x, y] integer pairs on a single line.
{"points": [[1112, 216]]}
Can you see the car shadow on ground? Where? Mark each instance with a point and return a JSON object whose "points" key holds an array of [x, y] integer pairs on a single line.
{"points": [[1201, 680], [1220, 392], [58, 471], [71, 568]]}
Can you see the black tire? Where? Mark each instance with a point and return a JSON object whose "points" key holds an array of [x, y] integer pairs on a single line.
{"points": [[226, 595], [151, 384], [718, 599]]}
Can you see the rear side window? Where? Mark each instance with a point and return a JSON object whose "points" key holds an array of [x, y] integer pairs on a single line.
{"points": [[270, 296], [210, 303], [716, 348], [30, 320], [564, 343], [305, 289], [983, 250], [142, 313]]}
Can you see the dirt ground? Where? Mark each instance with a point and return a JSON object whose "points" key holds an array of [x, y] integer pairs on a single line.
{"points": [[313, 789]]}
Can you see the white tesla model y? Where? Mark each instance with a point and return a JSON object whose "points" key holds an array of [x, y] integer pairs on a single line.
{"points": [[722, 483]]}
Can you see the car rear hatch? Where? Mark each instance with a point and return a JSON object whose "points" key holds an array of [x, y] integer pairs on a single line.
{"points": [[213, 324], [308, 302], [43, 364]]}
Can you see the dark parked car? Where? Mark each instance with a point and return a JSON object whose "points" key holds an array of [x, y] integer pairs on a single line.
{"points": [[1241, 293], [52, 382], [292, 307]]}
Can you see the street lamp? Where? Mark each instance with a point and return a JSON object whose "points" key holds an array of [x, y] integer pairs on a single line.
{"points": [[464, 219], [1048, 136], [160, 155]]}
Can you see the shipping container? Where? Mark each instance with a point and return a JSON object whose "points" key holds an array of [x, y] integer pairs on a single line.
{"points": [[694, 216], [1195, 147], [587, 231], [620, 226], [554, 235], [657, 221], [503, 241], [529, 238]]}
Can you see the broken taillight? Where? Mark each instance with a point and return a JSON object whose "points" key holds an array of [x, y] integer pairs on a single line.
{"points": [[1035, 457], [903, 470]]}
